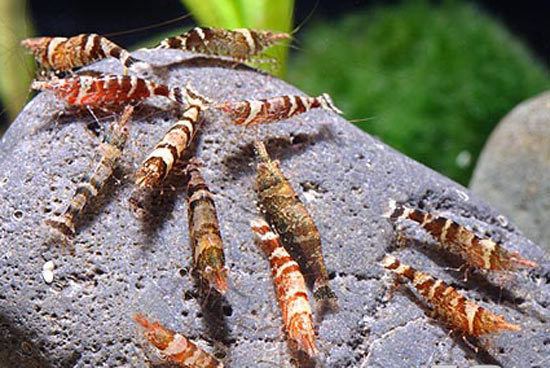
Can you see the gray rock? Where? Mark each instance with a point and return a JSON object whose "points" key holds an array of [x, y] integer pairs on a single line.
{"points": [[121, 265], [513, 171]]}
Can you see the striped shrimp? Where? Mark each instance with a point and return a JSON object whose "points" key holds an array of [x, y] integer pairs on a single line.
{"points": [[264, 111], [170, 149], [204, 231], [239, 44], [460, 313], [62, 54], [287, 214], [92, 183], [176, 348], [290, 288], [478, 252], [112, 90]]}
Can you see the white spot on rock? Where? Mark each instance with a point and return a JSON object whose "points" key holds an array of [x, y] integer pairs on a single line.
{"points": [[502, 220], [462, 194], [309, 196], [47, 272]]}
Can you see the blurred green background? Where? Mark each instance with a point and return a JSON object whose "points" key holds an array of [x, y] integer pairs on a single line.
{"points": [[431, 78], [434, 79]]}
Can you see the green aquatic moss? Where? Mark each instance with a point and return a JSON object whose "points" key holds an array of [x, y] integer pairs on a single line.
{"points": [[434, 80]]}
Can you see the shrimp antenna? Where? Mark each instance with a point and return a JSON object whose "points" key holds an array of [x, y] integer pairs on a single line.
{"points": [[306, 19], [151, 26], [362, 120]]}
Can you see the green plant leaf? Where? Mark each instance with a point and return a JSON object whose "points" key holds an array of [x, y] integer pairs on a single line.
{"points": [[17, 65], [215, 13], [274, 15]]}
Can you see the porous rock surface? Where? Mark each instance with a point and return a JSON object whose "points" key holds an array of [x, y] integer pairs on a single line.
{"points": [[513, 171], [120, 265]]}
